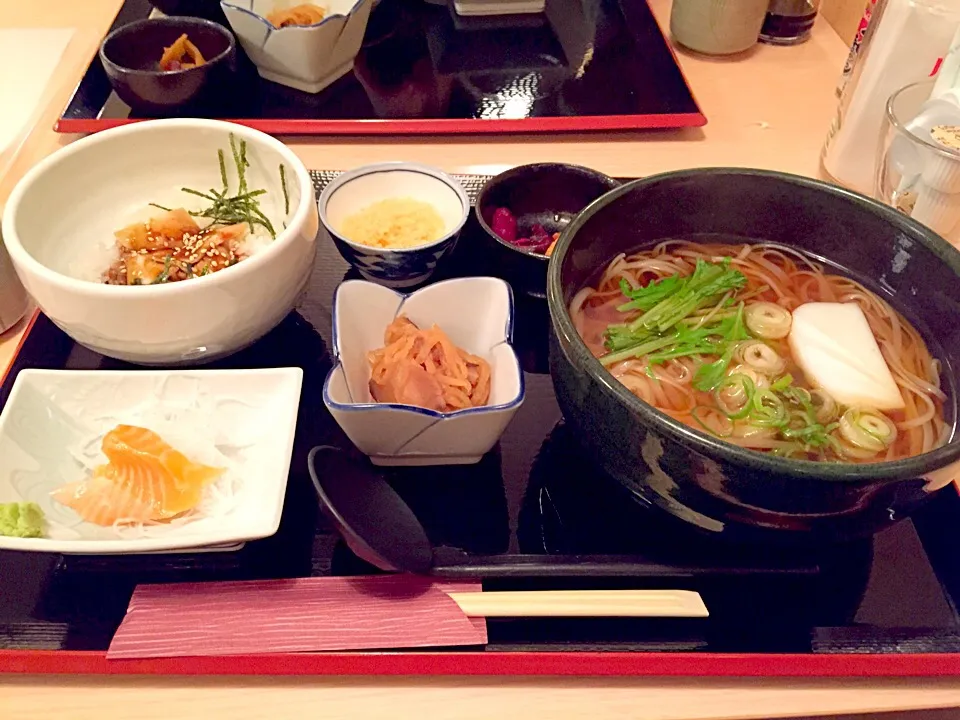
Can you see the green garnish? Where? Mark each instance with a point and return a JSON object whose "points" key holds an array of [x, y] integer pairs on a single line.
{"points": [[228, 209], [743, 390], [767, 409], [283, 186], [782, 383], [665, 304], [677, 296], [701, 315], [661, 331], [646, 297], [710, 375], [21, 519], [165, 273]]}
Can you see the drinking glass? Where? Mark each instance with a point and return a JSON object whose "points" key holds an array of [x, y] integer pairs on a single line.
{"points": [[915, 174]]}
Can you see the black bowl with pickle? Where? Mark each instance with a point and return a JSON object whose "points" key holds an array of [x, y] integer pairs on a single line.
{"points": [[523, 211], [163, 67]]}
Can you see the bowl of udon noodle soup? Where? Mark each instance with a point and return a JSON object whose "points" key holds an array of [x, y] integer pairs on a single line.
{"points": [[756, 352]]}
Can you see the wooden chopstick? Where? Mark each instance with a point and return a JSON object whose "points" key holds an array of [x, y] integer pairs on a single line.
{"points": [[582, 603]]}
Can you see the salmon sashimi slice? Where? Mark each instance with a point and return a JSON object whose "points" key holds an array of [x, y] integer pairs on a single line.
{"points": [[101, 501], [145, 479], [156, 473]]}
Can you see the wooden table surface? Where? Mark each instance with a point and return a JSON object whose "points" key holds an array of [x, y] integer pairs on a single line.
{"points": [[768, 108]]}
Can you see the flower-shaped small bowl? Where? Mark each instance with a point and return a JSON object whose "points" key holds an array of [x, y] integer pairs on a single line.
{"points": [[477, 315], [307, 57], [354, 190]]}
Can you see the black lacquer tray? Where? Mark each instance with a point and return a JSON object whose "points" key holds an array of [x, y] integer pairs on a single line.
{"points": [[531, 514], [582, 65]]}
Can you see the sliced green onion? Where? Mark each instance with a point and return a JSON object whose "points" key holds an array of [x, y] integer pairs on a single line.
{"points": [[738, 388], [782, 383], [767, 410], [768, 321], [759, 379], [824, 406], [761, 357], [867, 429]]}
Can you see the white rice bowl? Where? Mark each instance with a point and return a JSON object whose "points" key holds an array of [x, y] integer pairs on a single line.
{"points": [[60, 220], [95, 248]]}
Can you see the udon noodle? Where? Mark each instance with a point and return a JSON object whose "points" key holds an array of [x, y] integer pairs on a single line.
{"points": [[761, 399]]}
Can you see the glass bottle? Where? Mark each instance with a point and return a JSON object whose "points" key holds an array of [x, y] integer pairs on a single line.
{"points": [[789, 22]]}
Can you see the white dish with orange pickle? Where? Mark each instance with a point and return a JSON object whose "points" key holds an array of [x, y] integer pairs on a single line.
{"points": [[476, 316], [310, 52], [237, 424]]}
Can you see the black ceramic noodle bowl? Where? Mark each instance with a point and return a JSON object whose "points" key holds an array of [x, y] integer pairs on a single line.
{"points": [[549, 194], [131, 56], [711, 484]]}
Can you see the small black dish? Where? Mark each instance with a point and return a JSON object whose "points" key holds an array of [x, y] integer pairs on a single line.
{"points": [[549, 194], [130, 56]]}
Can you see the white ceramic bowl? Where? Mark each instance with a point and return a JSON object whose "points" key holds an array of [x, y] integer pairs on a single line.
{"points": [[359, 188], [59, 222], [307, 58], [477, 314], [52, 424]]}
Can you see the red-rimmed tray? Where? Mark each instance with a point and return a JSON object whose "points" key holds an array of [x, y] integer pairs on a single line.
{"points": [[421, 71], [523, 518]]}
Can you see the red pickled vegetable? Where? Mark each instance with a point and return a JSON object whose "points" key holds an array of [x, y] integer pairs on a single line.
{"points": [[539, 233], [504, 224]]}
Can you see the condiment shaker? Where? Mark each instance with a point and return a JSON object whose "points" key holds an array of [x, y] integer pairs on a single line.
{"points": [[717, 27]]}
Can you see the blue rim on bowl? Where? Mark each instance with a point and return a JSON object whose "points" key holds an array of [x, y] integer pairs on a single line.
{"points": [[360, 406]]}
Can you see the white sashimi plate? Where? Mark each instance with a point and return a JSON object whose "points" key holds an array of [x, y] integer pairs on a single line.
{"points": [[242, 420]]}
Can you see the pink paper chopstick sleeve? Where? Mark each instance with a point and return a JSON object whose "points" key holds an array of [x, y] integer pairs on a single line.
{"points": [[297, 615]]}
